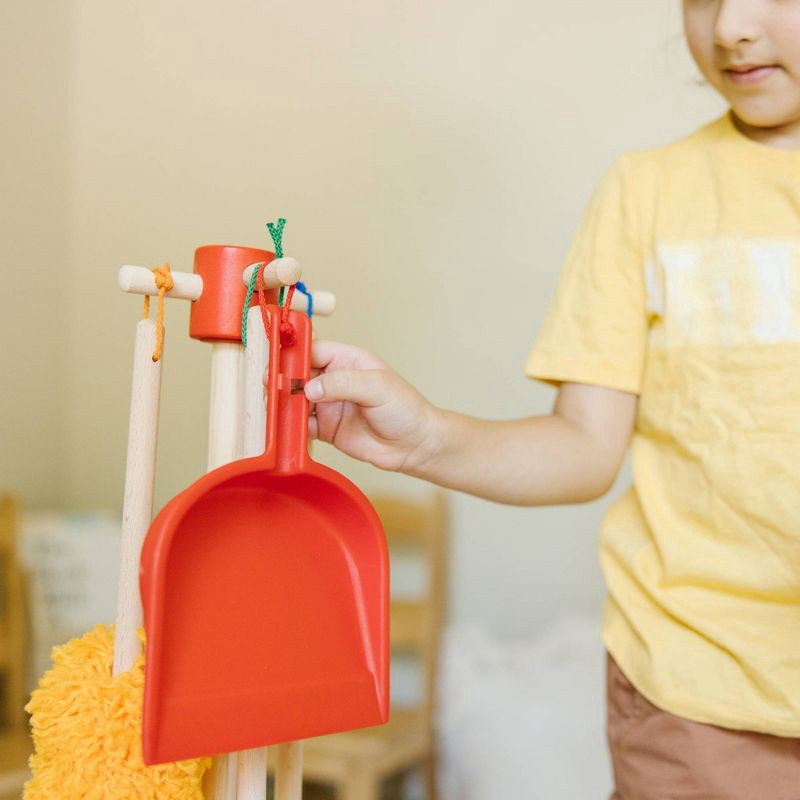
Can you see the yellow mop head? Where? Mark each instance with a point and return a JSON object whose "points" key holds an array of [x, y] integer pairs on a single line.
{"points": [[87, 729]]}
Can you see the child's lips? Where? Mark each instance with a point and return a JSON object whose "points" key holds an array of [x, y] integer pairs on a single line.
{"points": [[750, 75]]}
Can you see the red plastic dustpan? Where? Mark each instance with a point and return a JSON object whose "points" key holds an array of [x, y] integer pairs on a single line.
{"points": [[265, 588]]}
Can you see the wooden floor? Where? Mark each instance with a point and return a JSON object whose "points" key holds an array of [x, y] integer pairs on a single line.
{"points": [[14, 752], [16, 748], [391, 790]]}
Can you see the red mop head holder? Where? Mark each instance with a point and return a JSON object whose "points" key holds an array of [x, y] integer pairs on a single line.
{"points": [[217, 315]]}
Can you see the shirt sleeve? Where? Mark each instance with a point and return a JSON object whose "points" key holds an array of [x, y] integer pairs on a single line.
{"points": [[595, 331]]}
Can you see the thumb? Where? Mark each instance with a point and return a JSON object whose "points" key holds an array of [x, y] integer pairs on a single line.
{"points": [[365, 387]]}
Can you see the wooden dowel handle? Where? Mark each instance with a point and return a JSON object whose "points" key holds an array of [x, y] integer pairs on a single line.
{"points": [[279, 272], [285, 272], [137, 507], [224, 445], [324, 303], [219, 783], [189, 286], [256, 356], [140, 280], [224, 416], [252, 779], [289, 771]]}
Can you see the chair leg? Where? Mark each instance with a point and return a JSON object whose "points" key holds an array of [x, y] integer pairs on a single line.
{"points": [[360, 785], [431, 784]]}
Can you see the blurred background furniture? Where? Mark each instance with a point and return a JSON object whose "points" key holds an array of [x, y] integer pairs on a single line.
{"points": [[14, 739], [537, 700], [359, 763]]}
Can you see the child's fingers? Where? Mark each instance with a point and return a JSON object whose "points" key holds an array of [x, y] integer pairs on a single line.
{"points": [[326, 353], [365, 387], [323, 352], [313, 427]]}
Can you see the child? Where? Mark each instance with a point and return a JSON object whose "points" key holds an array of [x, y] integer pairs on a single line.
{"points": [[676, 327]]}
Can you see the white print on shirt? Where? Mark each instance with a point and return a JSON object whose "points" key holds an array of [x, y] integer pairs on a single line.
{"points": [[725, 292]]}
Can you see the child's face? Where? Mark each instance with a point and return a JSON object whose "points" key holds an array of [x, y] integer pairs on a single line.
{"points": [[749, 51]]}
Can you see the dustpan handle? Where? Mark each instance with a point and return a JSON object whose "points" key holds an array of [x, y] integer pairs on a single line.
{"points": [[273, 372], [289, 368]]}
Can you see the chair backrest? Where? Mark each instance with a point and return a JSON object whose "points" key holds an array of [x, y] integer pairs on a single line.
{"points": [[421, 527], [12, 620]]}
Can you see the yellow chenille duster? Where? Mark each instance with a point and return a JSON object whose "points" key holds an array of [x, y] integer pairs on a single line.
{"points": [[87, 729]]}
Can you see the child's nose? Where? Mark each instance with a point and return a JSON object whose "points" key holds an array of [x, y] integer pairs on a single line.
{"points": [[737, 22]]}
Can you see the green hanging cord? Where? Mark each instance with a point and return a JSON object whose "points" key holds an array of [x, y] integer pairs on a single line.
{"points": [[276, 232], [250, 289]]}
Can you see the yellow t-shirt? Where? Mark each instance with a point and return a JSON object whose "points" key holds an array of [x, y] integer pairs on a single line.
{"points": [[683, 286]]}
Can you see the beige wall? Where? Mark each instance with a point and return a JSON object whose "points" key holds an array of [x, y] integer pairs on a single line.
{"points": [[432, 157], [35, 90]]}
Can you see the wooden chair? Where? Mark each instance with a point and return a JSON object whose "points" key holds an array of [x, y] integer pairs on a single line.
{"points": [[358, 762], [12, 622], [15, 745]]}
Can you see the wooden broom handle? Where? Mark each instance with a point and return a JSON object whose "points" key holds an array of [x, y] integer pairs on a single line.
{"points": [[137, 506]]}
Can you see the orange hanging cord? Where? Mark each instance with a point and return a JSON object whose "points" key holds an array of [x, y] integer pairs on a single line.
{"points": [[164, 283]]}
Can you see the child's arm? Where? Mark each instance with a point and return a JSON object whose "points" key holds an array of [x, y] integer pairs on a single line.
{"points": [[569, 456]]}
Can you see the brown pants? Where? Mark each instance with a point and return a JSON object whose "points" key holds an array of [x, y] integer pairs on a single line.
{"points": [[658, 756]]}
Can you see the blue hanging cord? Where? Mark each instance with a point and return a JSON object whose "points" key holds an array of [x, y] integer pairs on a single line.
{"points": [[301, 287]]}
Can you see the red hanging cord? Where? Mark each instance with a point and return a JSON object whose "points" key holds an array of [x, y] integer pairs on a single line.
{"points": [[288, 333]]}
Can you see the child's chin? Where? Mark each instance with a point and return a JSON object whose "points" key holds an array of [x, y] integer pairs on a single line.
{"points": [[765, 112]]}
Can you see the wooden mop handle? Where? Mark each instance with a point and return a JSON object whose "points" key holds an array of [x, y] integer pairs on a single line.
{"points": [[140, 464]]}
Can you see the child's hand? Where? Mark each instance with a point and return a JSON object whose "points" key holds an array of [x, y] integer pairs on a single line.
{"points": [[367, 410]]}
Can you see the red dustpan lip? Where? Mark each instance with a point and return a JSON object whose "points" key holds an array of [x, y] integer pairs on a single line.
{"points": [[240, 714]]}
